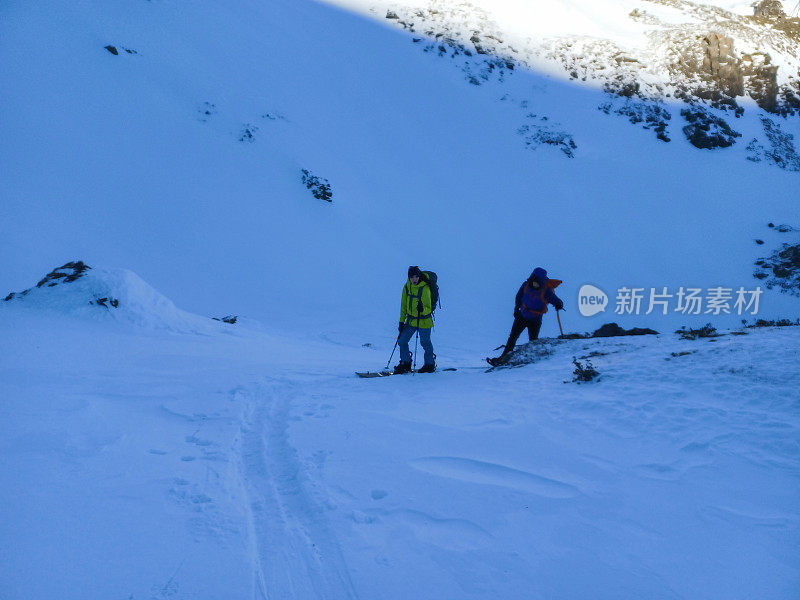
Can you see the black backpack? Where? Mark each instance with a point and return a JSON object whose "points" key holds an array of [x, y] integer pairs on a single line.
{"points": [[432, 280]]}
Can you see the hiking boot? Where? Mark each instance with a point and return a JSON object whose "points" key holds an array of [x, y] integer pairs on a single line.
{"points": [[402, 368], [496, 362], [427, 368]]}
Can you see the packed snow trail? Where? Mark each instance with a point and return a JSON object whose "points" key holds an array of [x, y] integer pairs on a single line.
{"points": [[295, 553]]}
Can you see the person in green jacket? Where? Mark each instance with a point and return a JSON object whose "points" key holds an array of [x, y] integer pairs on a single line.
{"points": [[415, 316]]}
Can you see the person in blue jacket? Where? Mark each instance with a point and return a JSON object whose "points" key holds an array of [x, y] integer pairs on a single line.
{"points": [[531, 302]]}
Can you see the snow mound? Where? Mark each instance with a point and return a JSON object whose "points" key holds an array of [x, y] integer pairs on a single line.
{"points": [[100, 294]]}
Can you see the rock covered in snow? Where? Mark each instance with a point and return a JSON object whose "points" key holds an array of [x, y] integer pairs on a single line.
{"points": [[77, 289]]}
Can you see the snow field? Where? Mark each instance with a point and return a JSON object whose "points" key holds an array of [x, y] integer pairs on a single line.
{"points": [[158, 464]]}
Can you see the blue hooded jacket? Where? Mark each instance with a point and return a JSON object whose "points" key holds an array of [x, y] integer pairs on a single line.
{"points": [[532, 303]]}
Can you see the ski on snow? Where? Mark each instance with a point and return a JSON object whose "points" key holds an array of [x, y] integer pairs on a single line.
{"points": [[369, 374]]}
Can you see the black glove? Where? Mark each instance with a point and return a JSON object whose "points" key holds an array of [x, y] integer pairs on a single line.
{"points": [[420, 308], [400, 327], [560, 306]]}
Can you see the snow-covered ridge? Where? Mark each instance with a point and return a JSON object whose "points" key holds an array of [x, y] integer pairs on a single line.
{"points": [[79, 290], [645, 54]]}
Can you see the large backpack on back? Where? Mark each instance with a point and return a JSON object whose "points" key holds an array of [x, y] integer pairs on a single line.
{"points": [[433, 282]]}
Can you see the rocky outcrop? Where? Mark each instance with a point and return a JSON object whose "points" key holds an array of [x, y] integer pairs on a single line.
{"points": [[653, 116], [722, 66], [68, 273], [769, 9], [706, 130], [539, 131], [781, 269], [777, 147], [614, 330], [319, 186], [707, 57]]}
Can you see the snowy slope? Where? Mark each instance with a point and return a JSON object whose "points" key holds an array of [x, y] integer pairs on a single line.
{"points": [[121, 166], [145, 463]]}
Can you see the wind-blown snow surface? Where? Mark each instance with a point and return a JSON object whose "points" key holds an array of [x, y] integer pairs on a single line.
{"points": [[144, 463]]}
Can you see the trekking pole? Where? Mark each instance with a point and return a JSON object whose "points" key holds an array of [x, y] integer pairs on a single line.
{"points": [[397, 341], [559, 322], [416, 339]]}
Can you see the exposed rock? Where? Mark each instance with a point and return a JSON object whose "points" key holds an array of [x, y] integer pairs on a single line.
{"points": [[781, 269], [613, 330], [539, 133], [206, 111], [769, 9], [652, 115], [706, 130], [762, 80], [780, 149], [68, 273], [105, 302], [72, 271], [230, 319], [112, 49], [248, 133], [320, 187], [722, 65]]}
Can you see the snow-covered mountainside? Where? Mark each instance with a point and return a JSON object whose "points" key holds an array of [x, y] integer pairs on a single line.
{"points": [[641, 52], [287, 161]]}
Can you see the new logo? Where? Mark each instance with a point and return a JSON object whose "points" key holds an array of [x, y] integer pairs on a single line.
{"points": [[591, 300]]}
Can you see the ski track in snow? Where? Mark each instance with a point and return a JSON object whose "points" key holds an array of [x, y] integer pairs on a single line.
{"points": [[295, 553]]}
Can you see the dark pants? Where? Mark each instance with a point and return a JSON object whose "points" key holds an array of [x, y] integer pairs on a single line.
{"points": [[425, 340], [533, 326]]}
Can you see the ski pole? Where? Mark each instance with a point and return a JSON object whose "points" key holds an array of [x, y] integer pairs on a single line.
{"points": [[559, 322], [397, 341], [416, 339]]}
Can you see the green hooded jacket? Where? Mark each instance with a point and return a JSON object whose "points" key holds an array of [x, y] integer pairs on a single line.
{"points": [[408, 305]]}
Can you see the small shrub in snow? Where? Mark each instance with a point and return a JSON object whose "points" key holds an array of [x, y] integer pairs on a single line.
{"points": [[583, 373], [707, 331], [320, 187], [775, 323]]}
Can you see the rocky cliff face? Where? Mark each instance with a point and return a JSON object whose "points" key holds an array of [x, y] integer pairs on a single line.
{"points": [[702, 55]]}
